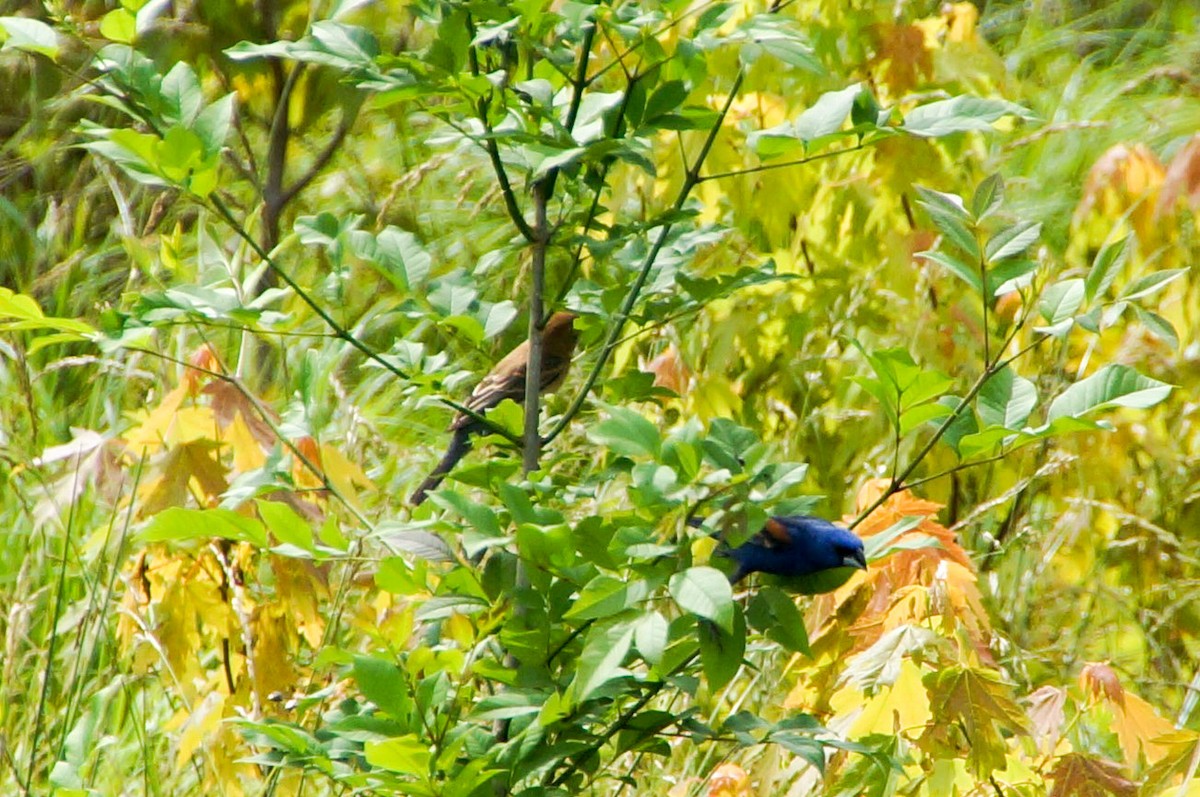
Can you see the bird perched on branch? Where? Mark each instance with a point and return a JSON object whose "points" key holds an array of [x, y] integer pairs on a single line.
{"points": [[506, 381], [808, 554]]}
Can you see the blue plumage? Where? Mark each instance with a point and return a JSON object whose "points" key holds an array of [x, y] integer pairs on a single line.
{"points": [[797, 547]]}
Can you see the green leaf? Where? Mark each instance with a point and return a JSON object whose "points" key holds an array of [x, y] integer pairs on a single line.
{"points": [[966, 273], [600, 661], [1012, 241], [1111, 386], [948, 204], [628, 433], [119, 25], [1013, 274], [777, 36], [827, 115], [958, 115], [781, 621], [916, 416], [879, 545], [924, 385], [1108, 263], [287, 526], [955, 231], [985, 442], [705, 592], [214, 123], [989, 196], [398, 254], [384, 684], [177, 523], [721, 651], [651, 635], [1060, 300], [29, 35], [181, 95], [1159, 327], [1006, 400], [605, 596], [666, 98], [405, 755], [1151, 284]]}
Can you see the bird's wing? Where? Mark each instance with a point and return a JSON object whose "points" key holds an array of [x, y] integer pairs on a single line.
{"points": [[774, 535]]}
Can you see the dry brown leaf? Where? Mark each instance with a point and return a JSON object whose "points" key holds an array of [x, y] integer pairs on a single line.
{"points": [[1078, 775], [1099, 681], [1047, 716], [1182, 179]]}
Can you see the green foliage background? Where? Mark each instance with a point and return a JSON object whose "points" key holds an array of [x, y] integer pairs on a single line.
{"points": [[154, 158]]}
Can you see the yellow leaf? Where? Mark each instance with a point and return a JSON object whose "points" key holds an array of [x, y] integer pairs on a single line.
{"points": [[343, 473], [1137, 725], [199, 726], [1181, 749], [247, 453], [149, 435], [902, 707]]}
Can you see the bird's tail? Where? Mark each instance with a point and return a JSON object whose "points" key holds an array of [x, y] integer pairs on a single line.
{"points": [[460, 444]]}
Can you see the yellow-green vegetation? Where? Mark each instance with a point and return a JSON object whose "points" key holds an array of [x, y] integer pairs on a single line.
{"points": [[920, 267]]}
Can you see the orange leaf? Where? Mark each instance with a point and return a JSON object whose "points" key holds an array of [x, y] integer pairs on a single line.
{"points": [[901, 56], [1137, 725], [729, 780]]}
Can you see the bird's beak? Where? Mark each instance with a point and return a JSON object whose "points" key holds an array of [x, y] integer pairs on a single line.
{"points": [[857, 559]]}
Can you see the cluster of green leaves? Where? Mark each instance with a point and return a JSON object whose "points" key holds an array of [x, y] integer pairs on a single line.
{"points": [[983, 248]]}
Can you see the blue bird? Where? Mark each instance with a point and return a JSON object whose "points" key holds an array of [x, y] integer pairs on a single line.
{"points": [[807, 554]]}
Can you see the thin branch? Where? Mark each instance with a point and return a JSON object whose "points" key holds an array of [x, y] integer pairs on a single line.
{"points": [[339, 331], [614, 333], [492, 149], [322, 160], [766, 167], [617, 726], [266, 416], [898, 482], [959, 467], [532, 445]]}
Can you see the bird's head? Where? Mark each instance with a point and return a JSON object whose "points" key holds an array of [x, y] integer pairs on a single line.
{"points": [[559, 336], [819, 543]]}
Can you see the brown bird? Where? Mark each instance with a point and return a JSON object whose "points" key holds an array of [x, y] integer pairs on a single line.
{"points": [[506, 381]]}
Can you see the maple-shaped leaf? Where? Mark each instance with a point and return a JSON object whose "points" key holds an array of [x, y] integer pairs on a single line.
{"points": [[186, 471], [902, 57], [980, 704], [1180, 748], [880, 663], [1078, 775], [916, 581], [1047, 715], [1138, 725], [1136, 722]]}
